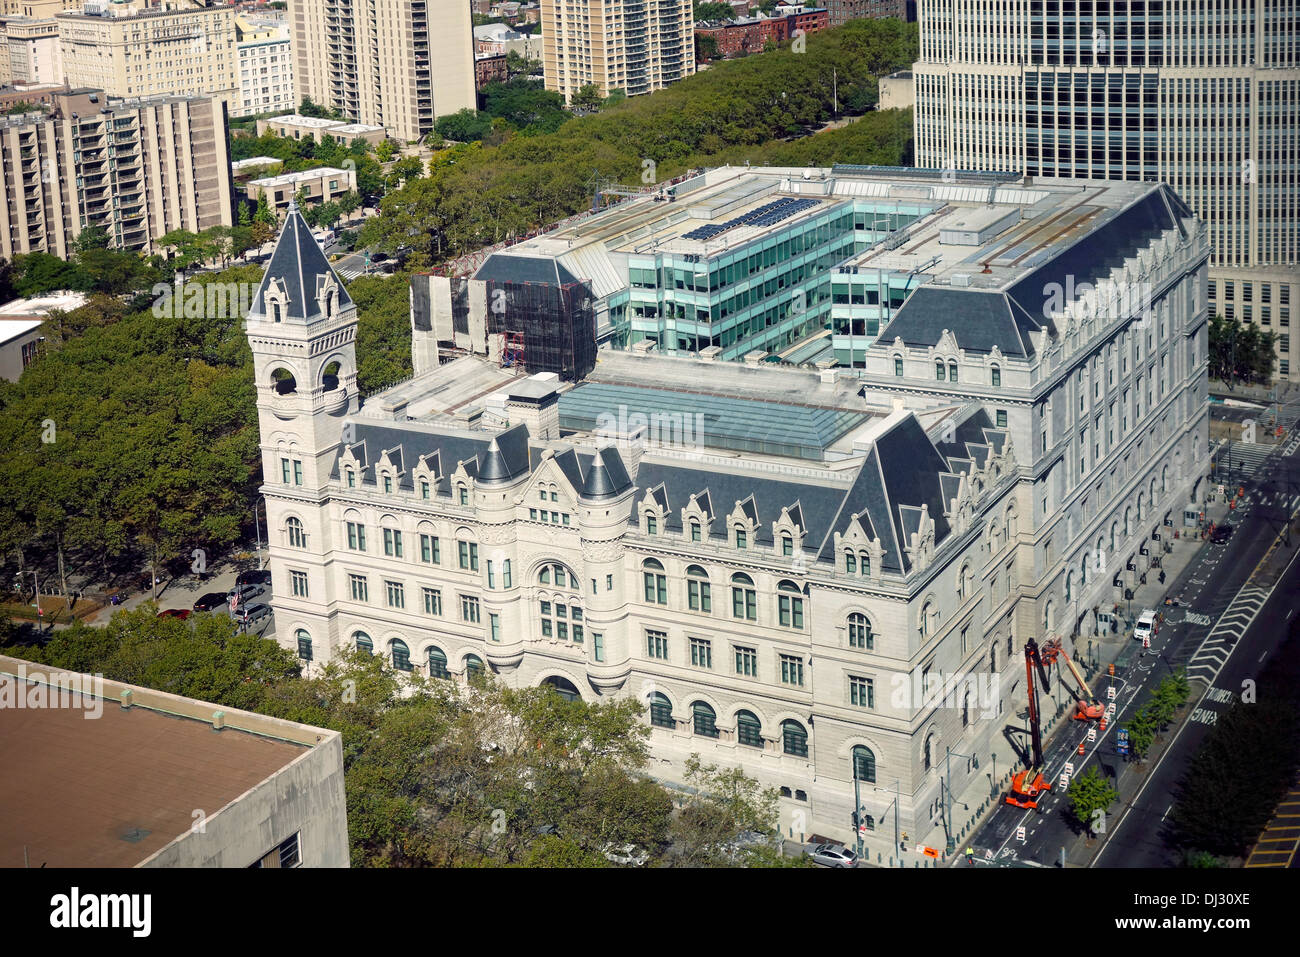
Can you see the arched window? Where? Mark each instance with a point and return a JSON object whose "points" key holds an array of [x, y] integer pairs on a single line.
{"points": [[997, 376], [401, 655], [438, 663], [705, 720], [952, 372], [1083, 572], [993, 656], [744, 599], [789, 605], [557, 576], [929, 619], [656, 582], [864, 563], [296, 537], [562, 687], [1069, 586], [864, 765], [1164, 479], [661, 711], [860, 635], [963, 582], [699, 593], [1128, 514], [304, 644], [794, 738], [1114, 526], [938, 370], [927, 755], [898, 365], [749, 730], [965, 711], [1049, 616], [473, 667], [1140, 510], [364, 643], [850, 563]]}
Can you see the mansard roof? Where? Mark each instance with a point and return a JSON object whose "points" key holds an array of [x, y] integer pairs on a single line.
{"points": [[300, 267]]}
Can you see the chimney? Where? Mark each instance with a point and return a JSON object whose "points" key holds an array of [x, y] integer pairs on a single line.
{"points": [[536, 403]]}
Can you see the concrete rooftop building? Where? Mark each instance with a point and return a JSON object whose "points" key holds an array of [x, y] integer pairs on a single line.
{"points": [[115, 775]]}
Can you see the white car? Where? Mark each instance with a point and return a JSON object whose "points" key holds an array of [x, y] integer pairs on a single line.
{"points": [[832, 855], [1146, 626], [629, 855]]}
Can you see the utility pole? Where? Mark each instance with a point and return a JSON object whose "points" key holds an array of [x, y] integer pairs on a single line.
{"points": [[948, 800], [898, 847]]}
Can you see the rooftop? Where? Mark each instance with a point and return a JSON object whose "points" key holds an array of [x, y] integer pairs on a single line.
{"points": [[296, 119], [114, 790], [253, 161], [41, 305], [300, 177], [11, 329]]}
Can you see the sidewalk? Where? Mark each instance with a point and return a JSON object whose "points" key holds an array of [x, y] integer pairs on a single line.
{"points": [[181, 592], [981, 793]]}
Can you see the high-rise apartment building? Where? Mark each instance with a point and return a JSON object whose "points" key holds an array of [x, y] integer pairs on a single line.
{"points": [[265, 67], [172, 47], [1204, 96], [399, 65], [630, 45], [140, 168], [30, 51]]}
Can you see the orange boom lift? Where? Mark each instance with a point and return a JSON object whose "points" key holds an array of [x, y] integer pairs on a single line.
{"points": [[1029, 785], [1086, 707]]}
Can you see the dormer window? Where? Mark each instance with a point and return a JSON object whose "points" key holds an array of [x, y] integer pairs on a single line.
{"points": [[388, 484], [351, 478], [938, 370], [742, 538], [462, 494], [424, 489], [952, 372], [898, 366], [696, 531], [787, 546], [276, 311], [997, 377], [865, 564], [651, 524], [850, 563]]}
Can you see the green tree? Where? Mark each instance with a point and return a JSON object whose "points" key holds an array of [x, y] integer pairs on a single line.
{"points": [[464, 125], [721, 805], [92, 237], [706, 47], [1089, 794], [386, 150], [587, 99], [1241, 352], [713, 11]]}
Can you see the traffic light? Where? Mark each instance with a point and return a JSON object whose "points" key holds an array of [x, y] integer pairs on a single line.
{"points": [[855, 820]]}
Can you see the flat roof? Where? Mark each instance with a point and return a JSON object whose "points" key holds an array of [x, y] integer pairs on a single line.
{"points": [[11, 329], [297, 177], [356, 128], [296, 119], [40, 305], [113, 789], [255, 161]]}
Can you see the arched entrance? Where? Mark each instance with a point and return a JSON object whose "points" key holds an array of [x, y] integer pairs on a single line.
{"points": [[563, 687]]}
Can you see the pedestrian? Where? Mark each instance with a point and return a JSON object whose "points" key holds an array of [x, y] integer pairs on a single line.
{"points": [[970, 857]]}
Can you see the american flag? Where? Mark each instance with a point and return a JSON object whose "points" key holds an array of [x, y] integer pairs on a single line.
{"points": [[234, 601]]}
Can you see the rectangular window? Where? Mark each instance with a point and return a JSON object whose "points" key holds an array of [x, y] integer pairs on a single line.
{"points": [[656, 643], [791, 611], [360, 587], [742, 539], [356, 536], [430, 549], [393, 542], [462, 495], [491, 574], [701, 653], [651, 525], [297, 472], [494, 626], [862, 692], [469, 610], [467, 555], [298, 584], [609, 583], [792, 670], [284, 470], [747, 661], [395, 592], [598, 645], [698, 595], [1001, 418], [506, 579], [432, 601]]}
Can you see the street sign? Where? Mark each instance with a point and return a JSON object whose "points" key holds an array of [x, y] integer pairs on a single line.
{"points": [[1110, 692], [1064, 782], [1069, 767], [1020, 834], [862, 830], [1121, 740], [1092, 734]]}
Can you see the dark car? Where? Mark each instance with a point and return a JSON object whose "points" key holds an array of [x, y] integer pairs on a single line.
{"points": [[254, 578], [1221, 533], [252, 613], [209, 602], [181, 613], [246, 593]]}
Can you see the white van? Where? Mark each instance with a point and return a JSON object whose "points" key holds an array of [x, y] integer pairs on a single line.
{"points": [[1147, 626]]}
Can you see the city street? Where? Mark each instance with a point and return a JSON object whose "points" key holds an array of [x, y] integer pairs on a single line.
{"points": [[1233, 602]]}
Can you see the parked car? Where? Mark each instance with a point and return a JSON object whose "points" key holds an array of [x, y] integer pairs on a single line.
{"points": [[262, 577], [833, 855], [181, 613], [1147, 626], [245, 592], [1222, 533], [210, 602], [251, 614], [629, 855]]}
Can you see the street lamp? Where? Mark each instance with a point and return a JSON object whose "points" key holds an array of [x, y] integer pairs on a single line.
{"points": [[18, 581], [947, 787], [894, 804]]}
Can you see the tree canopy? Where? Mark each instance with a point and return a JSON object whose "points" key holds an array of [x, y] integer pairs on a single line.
{"points": [[1241, 352]]}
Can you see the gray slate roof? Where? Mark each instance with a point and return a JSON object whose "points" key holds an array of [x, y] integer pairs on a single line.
{"points": [[301, 266]]}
